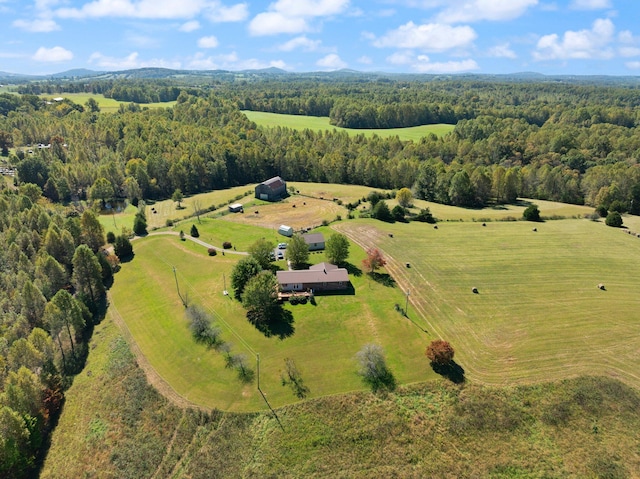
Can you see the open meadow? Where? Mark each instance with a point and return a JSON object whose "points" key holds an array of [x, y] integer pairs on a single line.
{"points": [[538, 314], [107, 105], [301, 122]]}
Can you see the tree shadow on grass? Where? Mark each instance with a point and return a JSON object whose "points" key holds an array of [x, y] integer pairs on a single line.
{"points": [[452, 371], [385, 381], [279, 323], [384, 279], [353, 270]]}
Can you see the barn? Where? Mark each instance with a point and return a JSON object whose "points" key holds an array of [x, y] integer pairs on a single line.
{"points": [[315, 241], [273, 189]]}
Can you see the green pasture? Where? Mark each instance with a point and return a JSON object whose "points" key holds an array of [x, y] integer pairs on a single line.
{"points": [[107, 105], [323, 341], [301, 122], [538, 314]]}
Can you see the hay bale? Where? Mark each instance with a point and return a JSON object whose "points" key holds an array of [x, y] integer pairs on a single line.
{"points": [[484, 224], [535, 229], [601, 287], [390, 235], [435, 227], [474, 290]]}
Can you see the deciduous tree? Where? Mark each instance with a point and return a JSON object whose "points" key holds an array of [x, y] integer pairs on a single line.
{"points": [[440, 352], [261, 251], [87, 274], [260, 297], [373, 367], [374, 260], [337, 248], [404, 197], [92, 231], [297, 251], [243, 271]]}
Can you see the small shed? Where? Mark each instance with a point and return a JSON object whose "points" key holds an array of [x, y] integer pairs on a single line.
{"points": [[236, 208], [285, 230], [315, 241]]}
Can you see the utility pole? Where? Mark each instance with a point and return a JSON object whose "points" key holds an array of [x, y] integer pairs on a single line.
{"points": [[258, 369]]}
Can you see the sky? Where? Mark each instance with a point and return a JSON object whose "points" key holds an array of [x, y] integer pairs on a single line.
{"points": [[571, 37]]}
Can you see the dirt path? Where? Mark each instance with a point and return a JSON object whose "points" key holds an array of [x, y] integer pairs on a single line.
{"points": [[195, 240]]}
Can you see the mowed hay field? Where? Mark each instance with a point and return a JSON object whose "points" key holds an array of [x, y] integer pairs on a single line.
{"points": [[301, 122], [538, 314], [322, 340], [107, 105]]}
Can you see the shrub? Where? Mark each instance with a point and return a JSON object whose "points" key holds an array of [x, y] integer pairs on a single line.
{"points": [[619, 206], [122, 247], [532, 213], [440, 352], [212, 252], [602, 211], [226, 245], [194, 231], [614, 219], [111, 237]]}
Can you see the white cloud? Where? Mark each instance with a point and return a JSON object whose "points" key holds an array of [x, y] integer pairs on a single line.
{"points": [[55, 54], [633, 65], [130, 61], [332, 62], [629, 52], [365, 60], [302, 43], [424, 65], [293, 16], [502, 51], [165, 9], [477, 10], [401, 58], [208, 42], [583, 44], [38, 25], [433, 37], [190, 26], [590, 4], [272, 23]]}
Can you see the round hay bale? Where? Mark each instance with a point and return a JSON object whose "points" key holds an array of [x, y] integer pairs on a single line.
{"points": [[390, 235], [484, 224], [535, 229], [474, 290], [435, 227], [601, 287]]}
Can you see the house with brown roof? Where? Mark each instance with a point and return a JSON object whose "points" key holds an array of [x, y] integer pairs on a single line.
{"points": [[319, 277], [273, 189], [315, 241]]}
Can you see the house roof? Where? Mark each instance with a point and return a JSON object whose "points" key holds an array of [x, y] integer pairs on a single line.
{"points": [[273, 183], [324, 275], [313, 238], [323, 266]]}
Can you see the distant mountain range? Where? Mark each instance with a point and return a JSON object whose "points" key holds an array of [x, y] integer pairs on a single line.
{"points": [[166, 73]]}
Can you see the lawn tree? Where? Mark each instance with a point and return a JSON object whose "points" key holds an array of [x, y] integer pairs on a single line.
{"points": [[122, 247], [404, 197], [177, 197], [337, 249], [201, 326], [440, 352], [260, 297], [87, 275], [140, 221], [92, 231], [243, 271], [398, 213], [373, 367], [197, 207], [614, 219], [374, 260], [261, 251], [297, 251], [194, 231]]}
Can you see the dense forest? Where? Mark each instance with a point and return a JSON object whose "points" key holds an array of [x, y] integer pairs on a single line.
{"points": [[571, 143]]}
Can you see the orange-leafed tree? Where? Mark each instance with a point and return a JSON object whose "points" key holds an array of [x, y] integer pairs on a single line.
{"points": [[440, 352], [374, 260]]}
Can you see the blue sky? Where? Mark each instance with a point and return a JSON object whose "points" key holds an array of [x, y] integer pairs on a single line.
{"points": [[413, 36]]}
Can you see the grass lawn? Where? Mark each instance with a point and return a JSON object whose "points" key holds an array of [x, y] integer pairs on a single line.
{"points": [[323, 342], [300, 122], [539, 314]]}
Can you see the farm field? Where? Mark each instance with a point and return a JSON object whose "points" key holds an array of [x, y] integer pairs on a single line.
{"points": [[539, 314], [301, 122], [107, 105]]}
